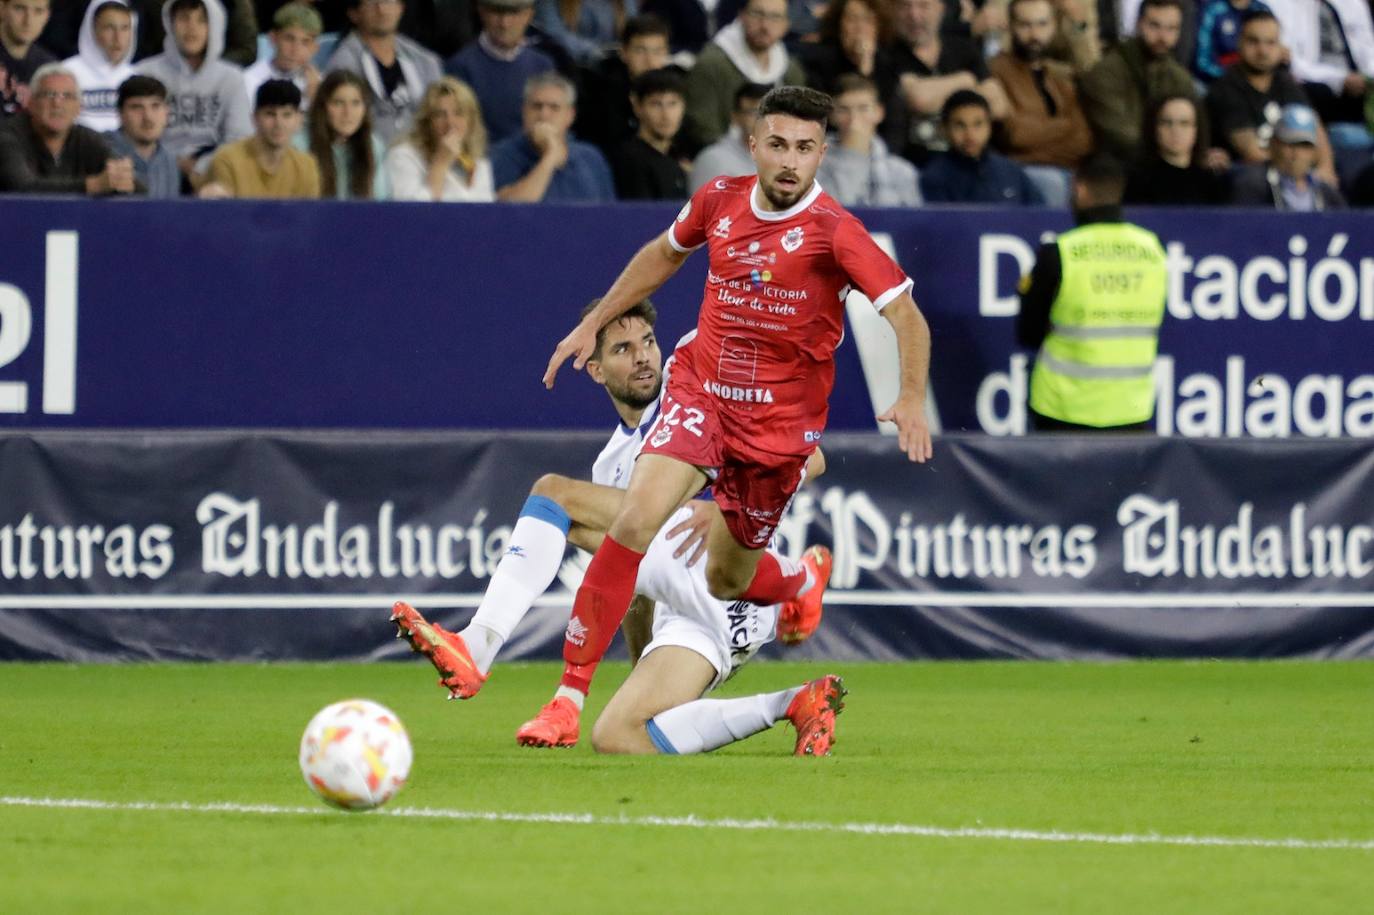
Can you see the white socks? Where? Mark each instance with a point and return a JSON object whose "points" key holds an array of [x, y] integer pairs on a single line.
{"points": [[531, 563], [577, 698], [706, 724]]}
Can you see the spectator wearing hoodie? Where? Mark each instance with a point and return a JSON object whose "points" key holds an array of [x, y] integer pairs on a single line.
{"points": [[207, 104], [108, 40], [748, 50], [295, 38], [397, 69], [21, 22]]}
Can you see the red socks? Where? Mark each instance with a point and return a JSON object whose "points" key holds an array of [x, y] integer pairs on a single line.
{"points": [[773, 585], [598, 609]]}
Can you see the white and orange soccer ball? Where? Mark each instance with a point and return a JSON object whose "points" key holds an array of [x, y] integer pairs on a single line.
{"points": [[355, 754]]}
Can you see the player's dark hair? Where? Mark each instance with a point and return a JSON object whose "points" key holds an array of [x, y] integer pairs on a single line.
{"points": [[646, 24], [798, 102], [644, 310], [964, 98], [751, 91], [853, 82], [1254, 15], [141, 87], [1160, 5], [1105, 178], [657, 82]]}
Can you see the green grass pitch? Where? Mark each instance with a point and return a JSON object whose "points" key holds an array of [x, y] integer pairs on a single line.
{"points": [[1244, 750]]}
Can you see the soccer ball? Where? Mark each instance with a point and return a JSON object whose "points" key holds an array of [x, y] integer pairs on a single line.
{"points": [[355, 754]]}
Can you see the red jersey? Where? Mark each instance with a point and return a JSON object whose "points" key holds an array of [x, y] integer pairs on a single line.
{"points": [[773, 308]]}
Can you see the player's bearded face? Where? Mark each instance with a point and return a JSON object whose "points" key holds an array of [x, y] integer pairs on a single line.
{"points": [[631, 364], [787, 151]]}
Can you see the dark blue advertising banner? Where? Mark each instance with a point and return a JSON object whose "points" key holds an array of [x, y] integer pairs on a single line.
{"points": [[233, 545], [333, 315]]}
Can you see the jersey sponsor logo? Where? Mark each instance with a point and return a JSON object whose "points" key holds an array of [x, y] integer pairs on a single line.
{"points": [[686, 211], [577, 633], [739, 360], [751, 256], [722, 228], [739, 394], [793, 239]]}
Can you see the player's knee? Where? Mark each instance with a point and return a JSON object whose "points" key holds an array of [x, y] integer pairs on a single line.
{"points": [[633, 531], [550, 486], [612, 735], [724, 583]]}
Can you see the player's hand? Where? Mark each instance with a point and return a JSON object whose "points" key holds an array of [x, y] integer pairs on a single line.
{"points": [[579, 345], [913, 433], [696, 525]]}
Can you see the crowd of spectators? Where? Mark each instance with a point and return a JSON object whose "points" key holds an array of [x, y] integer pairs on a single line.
{"points": [[1205, 102]]}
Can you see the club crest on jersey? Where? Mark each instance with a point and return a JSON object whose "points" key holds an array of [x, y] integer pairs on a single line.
{"points": [[723, 227], [792, 240]]}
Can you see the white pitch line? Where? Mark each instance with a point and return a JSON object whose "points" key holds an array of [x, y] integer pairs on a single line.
{"points": [[695, 822]]}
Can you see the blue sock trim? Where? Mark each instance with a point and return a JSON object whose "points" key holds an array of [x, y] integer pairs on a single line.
{"points": [[661, 742], [546, 509]]}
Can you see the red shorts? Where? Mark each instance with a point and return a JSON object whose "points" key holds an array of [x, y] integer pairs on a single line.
{"points": [[751, 488]]}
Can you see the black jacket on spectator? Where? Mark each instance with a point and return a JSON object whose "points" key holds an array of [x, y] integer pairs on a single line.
{"points": [[916, 137], [26, 165], [1233, 104], [825, 63], [689, 23], [644, 173], [604, 116], [1157, 183]]}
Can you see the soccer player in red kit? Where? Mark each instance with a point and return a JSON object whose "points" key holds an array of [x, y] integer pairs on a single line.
{"points": [[747, 400]]}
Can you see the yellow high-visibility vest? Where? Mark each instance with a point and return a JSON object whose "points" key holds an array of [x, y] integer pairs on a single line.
{"points": [[1096, 365]]}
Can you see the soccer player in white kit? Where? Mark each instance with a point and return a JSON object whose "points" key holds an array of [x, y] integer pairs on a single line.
{"points": [[698, 641]]}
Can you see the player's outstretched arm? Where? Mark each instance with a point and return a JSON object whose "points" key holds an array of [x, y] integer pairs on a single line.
{"points": [[649, 269], [913, 347]]}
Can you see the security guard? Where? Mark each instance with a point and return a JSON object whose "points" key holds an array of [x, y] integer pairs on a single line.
{"points": [[1093, 306]]}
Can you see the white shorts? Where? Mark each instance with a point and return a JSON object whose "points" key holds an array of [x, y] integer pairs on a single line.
{"points": [[725, 633]]}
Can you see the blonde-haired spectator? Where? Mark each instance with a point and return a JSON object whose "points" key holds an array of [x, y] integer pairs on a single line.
{"points": [[445, 155]]}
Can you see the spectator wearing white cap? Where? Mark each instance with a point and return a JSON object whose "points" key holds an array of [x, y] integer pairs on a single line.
{"points": [[1289, 182]]}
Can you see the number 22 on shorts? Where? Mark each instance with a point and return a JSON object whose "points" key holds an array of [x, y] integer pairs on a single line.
{"points": [[691, 420]]}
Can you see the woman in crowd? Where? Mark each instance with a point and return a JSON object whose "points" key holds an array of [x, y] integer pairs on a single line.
{"points": [[854, 38], [1172, 173], [445, 155], [339, 135]]}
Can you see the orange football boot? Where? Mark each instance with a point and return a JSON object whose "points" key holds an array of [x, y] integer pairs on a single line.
{"points": [[556, 725], [799, 618], [446, 651], [812, 712]]}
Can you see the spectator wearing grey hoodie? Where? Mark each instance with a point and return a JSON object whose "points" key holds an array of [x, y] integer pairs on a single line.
{"points": [[107, 42], [397, 69], [207, 103]]}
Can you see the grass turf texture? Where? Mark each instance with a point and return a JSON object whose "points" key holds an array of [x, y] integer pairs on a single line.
{"points": [[1281, 750]]}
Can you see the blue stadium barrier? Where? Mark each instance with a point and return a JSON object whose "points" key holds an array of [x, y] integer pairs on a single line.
{"points": [[338, 315]]}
